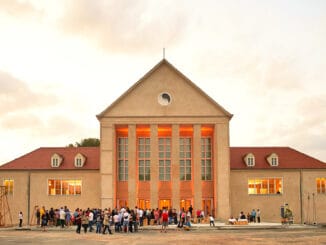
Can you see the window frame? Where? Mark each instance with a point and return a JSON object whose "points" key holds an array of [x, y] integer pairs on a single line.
{"points": [[321, 186], [144, 158], [10, 190], [122, 158], [265, 186], [164, 158], [61, 184], [185, 158], [205, 158]]}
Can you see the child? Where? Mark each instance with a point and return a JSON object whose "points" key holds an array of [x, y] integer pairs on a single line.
{"points": [[20, 217], [211, 220]]}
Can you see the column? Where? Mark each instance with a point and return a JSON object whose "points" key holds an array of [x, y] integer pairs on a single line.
{"points": [[154, 166], [132, 171], [222, 171], [197, 167], [175, 167], [107, 164]]}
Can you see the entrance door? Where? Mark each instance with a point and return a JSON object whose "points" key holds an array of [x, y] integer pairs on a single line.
{"points": [[144, 204], [185, 204], [164, 203], [207, 206], [122, 203]]}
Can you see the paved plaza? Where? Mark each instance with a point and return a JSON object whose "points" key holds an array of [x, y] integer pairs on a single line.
{"points": [[199, 234]]}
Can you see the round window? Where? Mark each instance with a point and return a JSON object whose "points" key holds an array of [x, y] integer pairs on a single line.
{"points": [[164, 98]]}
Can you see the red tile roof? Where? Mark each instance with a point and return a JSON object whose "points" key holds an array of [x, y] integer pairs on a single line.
{"points": [[288, 158], [40, 159]]}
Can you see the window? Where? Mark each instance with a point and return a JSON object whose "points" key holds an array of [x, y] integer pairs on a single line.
{"points": [[144, 162], [185, 158], [250, 160], [206, 158], [321, 185], [123, 158], [164, 158], [79, 160], [265, 186], [272, 159], [56, 160], [9, 186], [64, 187]]}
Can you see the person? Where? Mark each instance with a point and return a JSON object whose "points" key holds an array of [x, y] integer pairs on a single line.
{"points": [[253, 215], [62, 215], [190, 210], [84, 221], [242, 215], [198, 212], [38, 217], [106, 223], [99, 222], [258, 215], [211, 220], [165, 220], [77, 220], [90, 220], [20, 217], [232, 220], [44, 218]]}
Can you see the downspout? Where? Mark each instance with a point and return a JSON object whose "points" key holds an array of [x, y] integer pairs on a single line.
{"points": [[301, 199], [28, 197]]}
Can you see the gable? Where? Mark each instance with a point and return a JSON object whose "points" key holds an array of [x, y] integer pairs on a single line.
{"points": [[164, 91]]}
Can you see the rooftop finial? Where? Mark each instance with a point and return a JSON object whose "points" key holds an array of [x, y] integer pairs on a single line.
{"points": [[163, 53]]}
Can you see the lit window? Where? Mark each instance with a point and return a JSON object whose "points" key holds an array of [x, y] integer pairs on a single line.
{"points": [[321, 185], [144, 162], [79, 160], [265, 186], [185, 158], [122, 158], [64, 187], [250, 160], [272, 159], [164, 158], [56, 160], [206, 158], [9, 185]]}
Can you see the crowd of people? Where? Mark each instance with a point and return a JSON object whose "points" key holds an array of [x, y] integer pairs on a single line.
{"points": [[123, 220], [253, 216]]}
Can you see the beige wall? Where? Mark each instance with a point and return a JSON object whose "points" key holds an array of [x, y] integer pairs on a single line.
{"points": [[314, 207], [90, 196], [269, 205]]}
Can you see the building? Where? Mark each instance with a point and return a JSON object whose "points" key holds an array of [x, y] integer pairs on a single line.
{"points": [[165, 143]]}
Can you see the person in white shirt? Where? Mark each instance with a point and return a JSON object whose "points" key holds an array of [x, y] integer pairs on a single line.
{"points": [[90, 220]]}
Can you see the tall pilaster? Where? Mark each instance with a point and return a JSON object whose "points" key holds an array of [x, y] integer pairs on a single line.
{"points": [[222, 170], [106, 163], [197, 167], [132, 171], [175, 167], [154, 166]]}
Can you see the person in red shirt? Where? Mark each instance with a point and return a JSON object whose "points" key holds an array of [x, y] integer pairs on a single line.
{"points": [[165, 220]]}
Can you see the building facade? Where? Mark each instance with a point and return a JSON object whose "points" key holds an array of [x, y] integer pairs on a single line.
{"points": [[165, 143]]}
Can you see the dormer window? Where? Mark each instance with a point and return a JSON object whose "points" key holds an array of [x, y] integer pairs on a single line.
{"points": [[56, 160], [79, 160], [249, 159], [272, 159]]}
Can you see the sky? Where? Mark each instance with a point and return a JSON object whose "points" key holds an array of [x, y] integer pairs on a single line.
{"points": [[63, 62]]}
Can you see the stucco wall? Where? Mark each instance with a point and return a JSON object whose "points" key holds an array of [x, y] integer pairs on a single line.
{"points": [[19, 201], [268, 204]]}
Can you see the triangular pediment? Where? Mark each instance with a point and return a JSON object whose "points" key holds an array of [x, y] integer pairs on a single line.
{"points": [[164, 91]]}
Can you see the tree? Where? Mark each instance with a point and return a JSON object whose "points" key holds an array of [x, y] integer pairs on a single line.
{"points": [[86, 142]]}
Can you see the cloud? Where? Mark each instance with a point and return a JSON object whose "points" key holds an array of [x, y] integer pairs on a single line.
{"points": [[15, 95], [125, 26], [19, 9]]}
